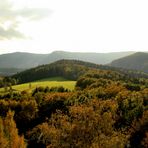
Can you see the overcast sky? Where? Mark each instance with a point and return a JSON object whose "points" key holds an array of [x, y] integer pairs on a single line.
{"points": [[43, 26]]}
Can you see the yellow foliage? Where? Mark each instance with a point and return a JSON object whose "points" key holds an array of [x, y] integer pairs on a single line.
{"points": [[9, 137]]}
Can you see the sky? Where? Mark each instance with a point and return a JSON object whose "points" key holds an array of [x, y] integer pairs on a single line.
{"points": [[43, 26]]}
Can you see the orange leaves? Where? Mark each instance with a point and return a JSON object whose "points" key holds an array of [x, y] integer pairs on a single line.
{"points": [[9, 134]]}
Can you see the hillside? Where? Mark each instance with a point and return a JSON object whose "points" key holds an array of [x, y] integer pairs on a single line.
{"points": [[97, 58], [68, 69], [22, 60], [137, 61], [9, 71], [107, 108]]}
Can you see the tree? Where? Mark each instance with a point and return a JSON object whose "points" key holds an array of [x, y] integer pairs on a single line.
{"points": [[9, 133]]}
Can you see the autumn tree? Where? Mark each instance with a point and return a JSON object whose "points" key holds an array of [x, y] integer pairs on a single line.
{"points": [[9, 137]]}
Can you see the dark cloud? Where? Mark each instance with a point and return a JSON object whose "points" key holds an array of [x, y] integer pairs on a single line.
{"points": [[9, 18]]}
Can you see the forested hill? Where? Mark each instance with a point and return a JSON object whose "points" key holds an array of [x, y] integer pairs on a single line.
{"points": [[21, 60], [69, 69], [107, 109], [137, 61]]}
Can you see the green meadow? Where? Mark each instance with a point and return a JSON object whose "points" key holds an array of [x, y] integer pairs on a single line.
{"points": [[50, 82]]}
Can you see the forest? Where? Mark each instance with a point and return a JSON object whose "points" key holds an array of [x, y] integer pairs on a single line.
{"points": [[70, 69], [107, 109]]}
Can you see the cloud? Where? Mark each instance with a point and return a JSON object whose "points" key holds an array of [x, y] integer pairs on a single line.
{"points": [[34, 13], [10, 18], [10, 33]]}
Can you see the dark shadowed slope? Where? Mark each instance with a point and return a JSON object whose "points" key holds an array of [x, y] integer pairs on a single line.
{"points": [[137, 61]]}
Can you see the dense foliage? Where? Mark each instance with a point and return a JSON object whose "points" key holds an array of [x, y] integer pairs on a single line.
{"points": [[69, 69], [7, 82], [9, 137], [107, 109]]}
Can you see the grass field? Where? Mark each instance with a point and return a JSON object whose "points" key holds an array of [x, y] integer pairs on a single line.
{"points": [[56, 81]]}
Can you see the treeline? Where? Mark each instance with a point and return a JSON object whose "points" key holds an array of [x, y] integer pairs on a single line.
{"points": [[7, 83], [107, 109], [96, 78], [69, 69]]}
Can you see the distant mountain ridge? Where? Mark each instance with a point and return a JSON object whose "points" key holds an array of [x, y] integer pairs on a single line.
{"points": [[136, 61], [21, 60]]}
